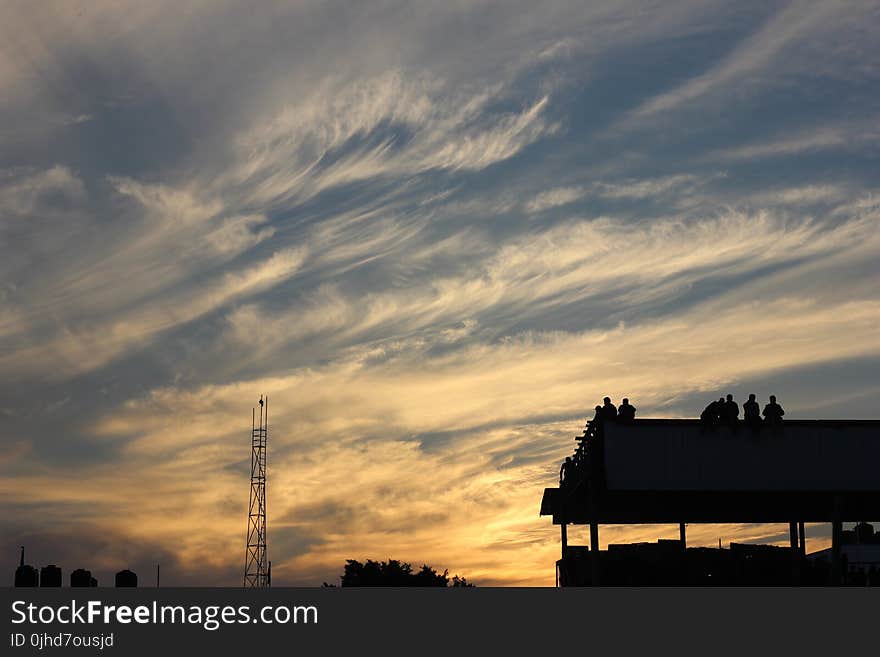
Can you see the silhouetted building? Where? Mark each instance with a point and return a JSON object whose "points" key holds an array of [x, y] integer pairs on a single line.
{"points": [[82, 578], [864, 534], [126, 578], [26, 575], [669, 563], [656, 471], [860, 554], [50, 576]]}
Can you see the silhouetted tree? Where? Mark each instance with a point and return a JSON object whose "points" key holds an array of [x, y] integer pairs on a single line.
{"points": [[394, 573], [461, 582]]}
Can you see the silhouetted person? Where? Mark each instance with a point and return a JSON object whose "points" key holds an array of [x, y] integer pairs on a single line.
{"points": [[609, 410], [752, 412], [566, 472], [773, 412], [626, 412], [729, 411], [711, 415], [597, 417]]}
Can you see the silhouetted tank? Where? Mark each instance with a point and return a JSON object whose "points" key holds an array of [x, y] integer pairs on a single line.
{"points": [[126, 578], [26, 576], [82, 578], [50, 576]]}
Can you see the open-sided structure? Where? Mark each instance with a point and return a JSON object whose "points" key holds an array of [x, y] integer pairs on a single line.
{"points": [[680, 471]]}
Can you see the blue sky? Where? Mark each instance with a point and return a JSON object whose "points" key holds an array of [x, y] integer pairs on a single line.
{"points": [[435, 234]]}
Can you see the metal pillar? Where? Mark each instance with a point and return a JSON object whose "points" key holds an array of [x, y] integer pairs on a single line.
{"points": [[682, 534], [803, 539], [795, 553]]}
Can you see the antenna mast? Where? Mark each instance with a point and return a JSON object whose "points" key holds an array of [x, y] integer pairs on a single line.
{"points": [[256, 565]]}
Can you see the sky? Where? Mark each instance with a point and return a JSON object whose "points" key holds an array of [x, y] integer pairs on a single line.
{"points": [[435, 235]]}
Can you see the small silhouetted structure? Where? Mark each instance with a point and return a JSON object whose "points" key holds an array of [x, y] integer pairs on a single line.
{"points": [[50, 576], [860, 557], [752, 411], [864, 534], [82, 578], [26, 575], [773, 412], [626, 412], [126, 579], [609, 410]]}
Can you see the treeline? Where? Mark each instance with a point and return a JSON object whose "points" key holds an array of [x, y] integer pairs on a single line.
{"points": [[396, 573]]}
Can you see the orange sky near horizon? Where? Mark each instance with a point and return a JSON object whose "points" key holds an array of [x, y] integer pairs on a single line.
{"points": [[435, 235]]}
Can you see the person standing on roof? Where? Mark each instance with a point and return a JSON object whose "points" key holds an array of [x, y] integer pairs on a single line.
{"points": [[752, 411], [730, 412], [566, 471], [626, 412], [609, 410], [773, 412]]}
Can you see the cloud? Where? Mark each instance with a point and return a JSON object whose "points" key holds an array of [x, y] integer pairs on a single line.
{"points": [[815, 140], [345, 132], [554, 197], [432, 237], [44, 193], [797, 40]]}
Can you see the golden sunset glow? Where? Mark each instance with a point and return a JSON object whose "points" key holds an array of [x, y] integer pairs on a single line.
{"points": [[435, 239]]}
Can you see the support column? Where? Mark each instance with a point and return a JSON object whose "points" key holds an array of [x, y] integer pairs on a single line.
{"points": [[836, 531], [803, 539], [561, 569], [594, 554], [682, 534], [795, 553]]}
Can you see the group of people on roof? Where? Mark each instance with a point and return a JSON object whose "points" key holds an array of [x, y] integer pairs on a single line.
{"points": [[726, 412], [608, 411], [723, 412], [574, 467]]}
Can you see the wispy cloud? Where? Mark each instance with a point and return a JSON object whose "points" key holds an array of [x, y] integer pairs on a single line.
{"points": [[554, 197], [432, 237], [815, 140]]}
